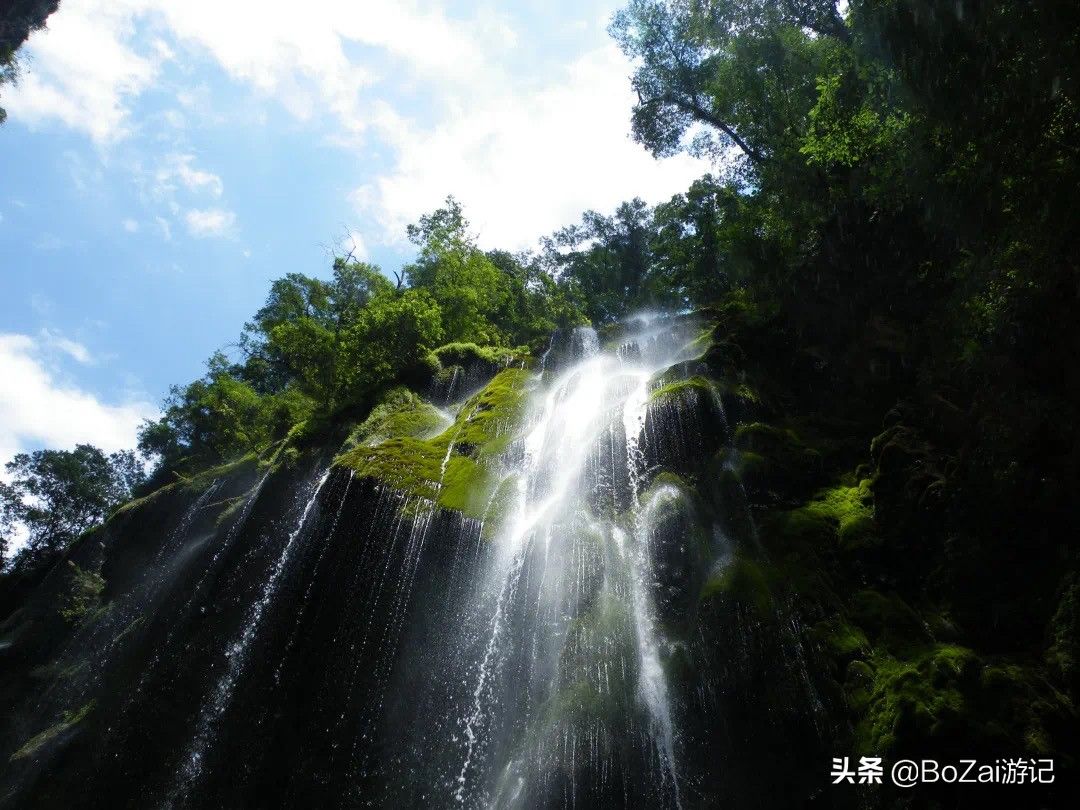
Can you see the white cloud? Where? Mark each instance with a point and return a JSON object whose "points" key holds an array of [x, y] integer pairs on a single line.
{"points": [[82, 70], [209, 222], [525, 148], [351, 243], [178, 168], [42, 304], [88, 65], [50, 242], [164, 227], [130, 225], [38, 410], [525, 164], [71, 348]]}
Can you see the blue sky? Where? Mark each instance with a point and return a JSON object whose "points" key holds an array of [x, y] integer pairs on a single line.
{"points": [[164, 160]]}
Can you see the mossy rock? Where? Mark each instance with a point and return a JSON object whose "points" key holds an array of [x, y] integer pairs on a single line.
{"points": [[680, 548], [204, 478], [400, 414], [910, 482], [453, 469], [916, 700], [487, 421], [888, 619], [840, 516], [692, 387], [1030, 707], [500, 505], [841, 639], [684, 423], [1063, 656], [945, 699], [580, 704], [741, 581], [68, 721], [774, 460], [470, 354], [84, 595], [742, 401]]}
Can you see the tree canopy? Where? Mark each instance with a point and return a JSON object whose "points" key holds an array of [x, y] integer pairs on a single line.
{"points": [[55, 495]]}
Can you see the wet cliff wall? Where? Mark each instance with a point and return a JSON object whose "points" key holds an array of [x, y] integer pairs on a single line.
{"points": [[693, 595]]}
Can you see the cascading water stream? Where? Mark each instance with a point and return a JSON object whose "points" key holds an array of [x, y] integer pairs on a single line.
{"points": [[568, 687], [236, 657]]}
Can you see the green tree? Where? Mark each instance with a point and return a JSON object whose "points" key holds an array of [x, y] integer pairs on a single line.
{"points": [[391, 337], [745, 69], [219, 416], [467, 285], [58, 494], [609, 261]]}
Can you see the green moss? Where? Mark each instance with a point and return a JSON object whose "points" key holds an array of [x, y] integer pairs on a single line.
{"points": [[136, 504], [888, 619], [466, 354], [233, 507], [693, 386], [1064, 653], [796, 530], [203, 479], [744, 581], [745, 393], [401, 413], [579, 703], [704, 341], [84, 595], [69, 720], [842, 515], [1031, 709], [919, 699], [487, 420], [841, 639], [774, 458], [72, 670], [406, 464], [687, 501], [199, 481], [467, 486], [763, 437], [132, 626], [453, 468], [499, 506], [859, 685]]}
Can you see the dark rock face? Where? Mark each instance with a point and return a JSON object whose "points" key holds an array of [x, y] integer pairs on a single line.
{"points": [[566, 346], [248, 657]]}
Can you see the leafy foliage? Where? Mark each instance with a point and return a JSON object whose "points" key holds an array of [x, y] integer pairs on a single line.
{"points": [[317, 347], [55, 495]]}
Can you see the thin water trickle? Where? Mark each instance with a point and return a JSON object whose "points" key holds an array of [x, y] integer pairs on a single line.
{"points": [[236, 654]]}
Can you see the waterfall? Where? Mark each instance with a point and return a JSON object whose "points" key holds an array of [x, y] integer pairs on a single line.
{"points": [[568, 698], [291, 643]]}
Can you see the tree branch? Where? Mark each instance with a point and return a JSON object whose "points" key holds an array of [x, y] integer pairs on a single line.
{"points": [[835, 29], [699, 112]]}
